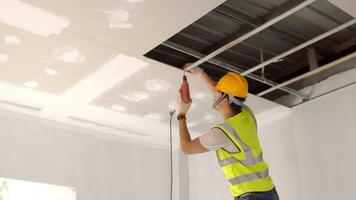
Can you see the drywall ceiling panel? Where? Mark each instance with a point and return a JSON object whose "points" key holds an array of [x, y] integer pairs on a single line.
{"points": [[346, 5], [51, 64], [132, 27]]}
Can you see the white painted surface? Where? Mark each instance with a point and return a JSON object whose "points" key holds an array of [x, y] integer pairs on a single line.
{"points": [[58, 154], [278, 143], [206, 180], [98, 167], [325, 135], [31, 18]]}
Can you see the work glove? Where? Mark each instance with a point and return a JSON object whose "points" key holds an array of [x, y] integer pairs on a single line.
{"points": [[181, 107], [197, 71]]}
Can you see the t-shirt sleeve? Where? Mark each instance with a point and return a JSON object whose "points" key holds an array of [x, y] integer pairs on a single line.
{"points": [[214, 139]]}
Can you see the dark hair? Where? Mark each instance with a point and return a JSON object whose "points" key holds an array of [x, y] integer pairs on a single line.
{"points": [[237, 108]]}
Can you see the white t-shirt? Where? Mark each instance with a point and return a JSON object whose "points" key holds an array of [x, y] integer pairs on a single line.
{"points": [[216, 139]]}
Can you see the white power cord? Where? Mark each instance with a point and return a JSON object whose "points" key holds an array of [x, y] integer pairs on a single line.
{"points": [[171, 113]]}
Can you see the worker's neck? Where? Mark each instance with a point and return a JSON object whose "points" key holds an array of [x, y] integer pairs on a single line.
{"points": [[230, 113]]}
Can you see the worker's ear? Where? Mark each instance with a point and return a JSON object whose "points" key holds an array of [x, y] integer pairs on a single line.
{"points": [[226, 100]]}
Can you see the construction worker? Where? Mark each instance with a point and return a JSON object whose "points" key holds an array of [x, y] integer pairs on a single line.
{"points": [[235, 140]]}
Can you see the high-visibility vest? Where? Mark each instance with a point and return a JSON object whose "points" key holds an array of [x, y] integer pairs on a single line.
{"points": [[246, 171]]}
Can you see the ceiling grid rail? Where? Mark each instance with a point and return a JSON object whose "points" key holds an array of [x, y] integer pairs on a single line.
{"points": [[251, 33], [217, 62], [282, 86], [310, 73], [299, 47]]}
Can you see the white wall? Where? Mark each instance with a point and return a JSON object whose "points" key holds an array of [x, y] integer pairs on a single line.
{"points": [[99, 168], [325, 132], [206, 181], [278, 143], [310, 153]]}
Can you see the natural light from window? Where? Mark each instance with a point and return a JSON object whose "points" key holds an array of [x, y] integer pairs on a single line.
{"points": [[11, 189]]}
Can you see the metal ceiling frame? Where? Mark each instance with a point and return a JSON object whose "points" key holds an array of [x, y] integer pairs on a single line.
{"points": [[326, 93], [311, 73], [301, 46], [217, 62], [209, 58], [251, 33]]}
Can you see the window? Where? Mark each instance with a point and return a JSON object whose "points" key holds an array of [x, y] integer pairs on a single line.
{"points": [[11, 189]]}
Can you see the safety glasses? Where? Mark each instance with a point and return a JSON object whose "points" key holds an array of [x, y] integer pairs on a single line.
{"points": [[218, 97]]}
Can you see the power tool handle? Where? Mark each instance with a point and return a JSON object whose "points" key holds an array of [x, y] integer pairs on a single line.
{"points": [[184, 90]]}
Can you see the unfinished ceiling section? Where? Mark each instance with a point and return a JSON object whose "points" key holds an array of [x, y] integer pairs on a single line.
{"points": [[84, 65], [274, 43]]}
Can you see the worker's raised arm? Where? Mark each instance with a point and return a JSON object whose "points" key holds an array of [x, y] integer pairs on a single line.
{"points": [[188, 146], [199, 72]]}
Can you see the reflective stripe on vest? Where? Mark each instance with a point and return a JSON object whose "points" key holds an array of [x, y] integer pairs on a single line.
{"points": [[250, 160], [249, 177]]}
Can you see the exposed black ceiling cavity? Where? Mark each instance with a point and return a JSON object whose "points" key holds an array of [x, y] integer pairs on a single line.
{"points": [[235, 18]]}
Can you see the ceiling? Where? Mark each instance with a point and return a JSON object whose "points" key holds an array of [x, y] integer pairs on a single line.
{"points": [[83, 65], [234, 19]]}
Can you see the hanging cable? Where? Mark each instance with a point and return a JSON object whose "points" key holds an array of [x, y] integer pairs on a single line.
{"points": [[262, 58], [263, 68], [171, 113]]}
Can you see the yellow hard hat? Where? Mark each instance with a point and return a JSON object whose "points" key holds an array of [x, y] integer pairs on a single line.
{"points": [[233, 84]]}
